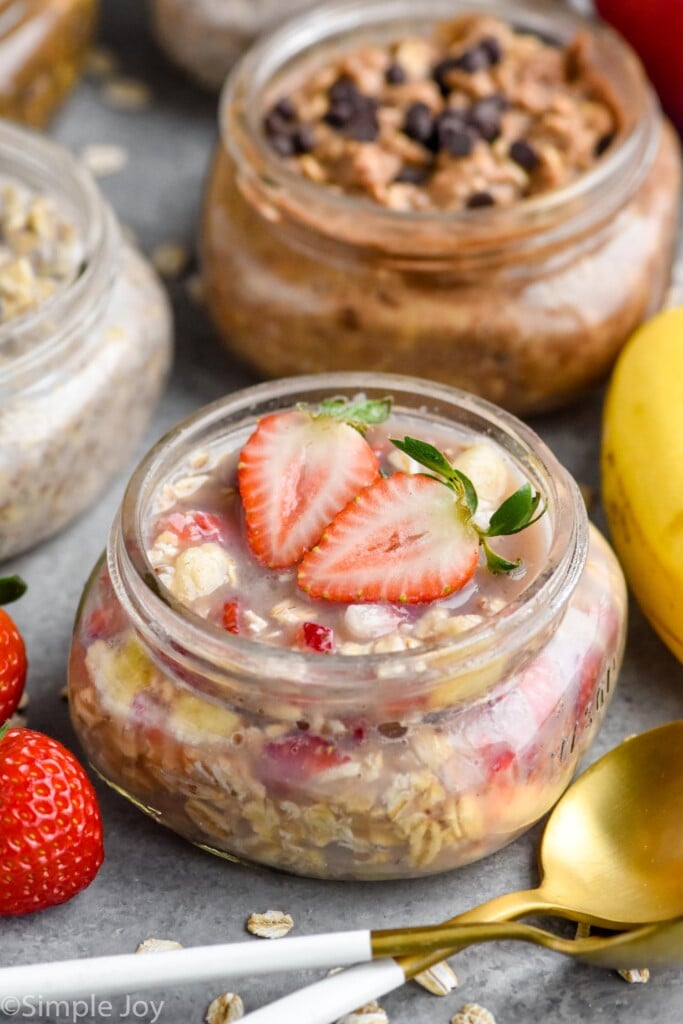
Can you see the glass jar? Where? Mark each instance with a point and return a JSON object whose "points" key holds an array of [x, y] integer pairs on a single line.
{"points": [[433, 756], [81, 373], [526, 305], [43, 44], [204, 37]]}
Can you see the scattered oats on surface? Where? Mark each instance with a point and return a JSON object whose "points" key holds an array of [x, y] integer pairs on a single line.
{"points": [[589, 496], [158, 946], [64, 693], [103, 159], [224, 1009], [371, 1013], [473, 1013], [274, 924], [583, 930], [439, 979], [101, 63], [194, 286], [635, 975], [170, 259], [126, 94]]}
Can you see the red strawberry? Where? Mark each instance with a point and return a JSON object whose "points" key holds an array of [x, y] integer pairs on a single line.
{"points": [[194, 527], [405, 538], [13, 663], [230, 620], [300, 756], [316, 637], [51, 835], [295, 473]]}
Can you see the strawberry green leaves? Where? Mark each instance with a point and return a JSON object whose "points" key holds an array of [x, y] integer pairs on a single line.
{"points": [[519, 511], [359, 414], [11, 589]]}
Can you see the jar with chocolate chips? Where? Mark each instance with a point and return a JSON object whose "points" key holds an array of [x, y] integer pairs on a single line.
{"points": [[85, 341], [204, 37], [485, 198], [42, 47]]}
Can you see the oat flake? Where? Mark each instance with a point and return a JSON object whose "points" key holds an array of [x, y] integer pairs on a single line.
{"points": [[635, 975], [371, 1013], [158, 946], [225, 1008], [128, 94], [274, 924], [104, 159], [439, 979], [473, 1013], [170, 259]]}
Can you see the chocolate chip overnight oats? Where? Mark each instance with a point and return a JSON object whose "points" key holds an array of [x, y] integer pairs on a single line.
{"points": [[349, 628], [483, 201], [85, 341]]}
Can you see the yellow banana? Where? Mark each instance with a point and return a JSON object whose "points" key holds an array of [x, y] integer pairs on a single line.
{"points": [[642, 470]]}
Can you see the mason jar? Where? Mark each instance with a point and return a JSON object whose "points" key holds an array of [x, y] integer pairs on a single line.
{"points": [[81, 371], [43, 44], [526, 305], [412, 759], [205, 37]]}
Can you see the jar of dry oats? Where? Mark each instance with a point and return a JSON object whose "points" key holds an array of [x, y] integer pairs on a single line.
{"points": [[204, 37], [477, 192], [85, 341], [366, 739], [42, 47]]}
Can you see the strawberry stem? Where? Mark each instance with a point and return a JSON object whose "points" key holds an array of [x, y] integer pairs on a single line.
{"points": [[4, 729], [11, 589], [359, 414]]}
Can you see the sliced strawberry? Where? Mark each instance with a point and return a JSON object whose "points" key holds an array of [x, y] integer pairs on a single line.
{"points": [[300, 756], [194, 527], [295, 473], [231, 617], [405, 539], [316, 637]]}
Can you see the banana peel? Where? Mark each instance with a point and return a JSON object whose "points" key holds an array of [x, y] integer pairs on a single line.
{"points": [[642, 470]]}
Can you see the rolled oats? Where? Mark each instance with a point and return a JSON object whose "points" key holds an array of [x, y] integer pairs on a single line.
{"points": [[371, 1013], [224, 1009], [158, 946], [103, 159], [126, 94], [273, 924], [473, 1013], [440, 979], [635, 975], [170, 259]]}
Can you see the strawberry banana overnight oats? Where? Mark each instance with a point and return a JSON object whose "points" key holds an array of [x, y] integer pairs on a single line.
{"points": [[345, 635]]}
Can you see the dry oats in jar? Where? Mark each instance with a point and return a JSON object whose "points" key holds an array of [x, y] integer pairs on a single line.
{"points": [[205, 37], [85, 341], [43, 44], [337, 686], [483, 202]]}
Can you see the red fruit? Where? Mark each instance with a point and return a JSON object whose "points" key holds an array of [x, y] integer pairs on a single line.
{"points": [[403, 539], [591, 671], [231, 616], [318, 638], [295, 473], [655, 30], [13, 667], [194, 527], [300, 756], [51, 835], [498, 758]]}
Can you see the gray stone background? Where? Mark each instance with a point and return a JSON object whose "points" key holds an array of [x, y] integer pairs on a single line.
{"points": [[153, 883]]}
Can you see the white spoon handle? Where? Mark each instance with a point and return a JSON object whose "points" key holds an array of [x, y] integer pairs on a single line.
{"points": [[329, 999], [113, 975]]}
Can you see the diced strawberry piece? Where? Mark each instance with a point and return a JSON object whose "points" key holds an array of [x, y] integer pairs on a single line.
{"points": [[403, 539], [231, 616], [591, 671], [318, 638], [194, 527], [300, 756], [498, 758], [295, 473], [105, 621]]}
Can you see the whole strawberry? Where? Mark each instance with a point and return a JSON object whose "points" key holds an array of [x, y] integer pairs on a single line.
{"points": [[51, 833], [12, 651]]}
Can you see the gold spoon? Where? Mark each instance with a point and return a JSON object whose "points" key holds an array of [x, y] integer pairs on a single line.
{"points": [[611, 855]]}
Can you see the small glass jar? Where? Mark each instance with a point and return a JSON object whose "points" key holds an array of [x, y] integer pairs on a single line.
{"points": [[526, 305], [433, 757], [43, 44], [205, 37], [81, 373]]}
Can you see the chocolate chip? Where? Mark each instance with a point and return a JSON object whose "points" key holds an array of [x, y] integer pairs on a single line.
{"points": [[493, 50], [419, 124], [478, 199], [395, 74], [604, 143], [524, 154], [282, 143], [412, 174], [453, 134], [285, 109], [339, 113], [442, 70], [484, 117], [303, 139], [363, 126], [476, 59], [392, 730], [344, 89]]}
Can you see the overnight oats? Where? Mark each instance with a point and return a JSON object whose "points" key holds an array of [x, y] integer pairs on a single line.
{"points": [[43, 44], [204, 37], [488, 203], [85, 341], [347, 626]]}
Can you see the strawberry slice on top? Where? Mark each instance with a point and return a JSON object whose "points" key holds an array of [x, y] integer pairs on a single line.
{"points": [[404, 539], [298, 469], [412, 538]]}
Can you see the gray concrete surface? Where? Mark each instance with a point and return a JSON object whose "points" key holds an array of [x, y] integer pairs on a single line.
{"points": [[152, 883]]}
